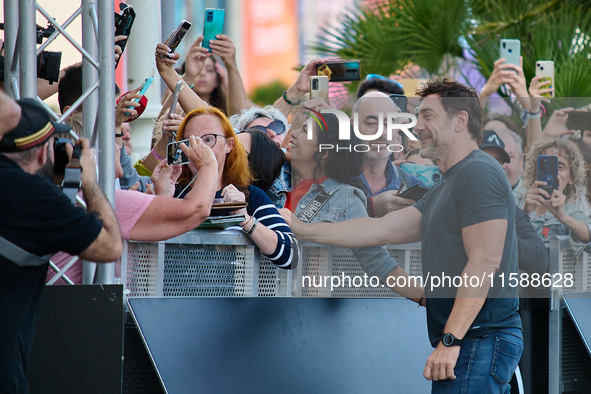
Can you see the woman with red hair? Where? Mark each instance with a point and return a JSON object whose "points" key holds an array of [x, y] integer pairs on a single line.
{"points": [[263, 222]]}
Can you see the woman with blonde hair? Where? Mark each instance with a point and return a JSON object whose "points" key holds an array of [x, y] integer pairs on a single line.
{"points": [[263, 223], [557, 213]]}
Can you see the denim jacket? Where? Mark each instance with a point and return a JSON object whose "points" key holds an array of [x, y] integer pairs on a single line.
{"points": [[281, 185], [555, 227], [347, 202]]}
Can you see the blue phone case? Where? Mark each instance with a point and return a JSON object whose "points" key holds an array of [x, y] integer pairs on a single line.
{"points": [[212, 25]]}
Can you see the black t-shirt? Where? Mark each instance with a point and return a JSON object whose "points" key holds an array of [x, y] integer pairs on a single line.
{"points": [[474, 190], [39, 218]]}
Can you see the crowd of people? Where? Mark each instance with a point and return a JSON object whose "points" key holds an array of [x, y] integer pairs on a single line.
{"points": [[480, 176]]}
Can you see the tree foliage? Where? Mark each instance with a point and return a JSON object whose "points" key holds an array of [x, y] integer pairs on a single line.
{"points": [[392, 35]]}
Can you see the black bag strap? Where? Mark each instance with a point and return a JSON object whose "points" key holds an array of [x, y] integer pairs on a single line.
{"points": [[20, 256], [314, 206]]}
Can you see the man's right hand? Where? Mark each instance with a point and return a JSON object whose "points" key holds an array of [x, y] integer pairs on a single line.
{"points": [[198, 153], [387, 202], [87, 161]]}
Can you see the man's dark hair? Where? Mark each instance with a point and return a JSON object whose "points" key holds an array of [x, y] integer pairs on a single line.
{"points": [[386, 86], [70, 86], [458, 97]]}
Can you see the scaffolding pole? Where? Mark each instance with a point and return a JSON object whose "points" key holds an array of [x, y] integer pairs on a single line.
{"points": [[11, 67], [105, 273], [27, 47]]}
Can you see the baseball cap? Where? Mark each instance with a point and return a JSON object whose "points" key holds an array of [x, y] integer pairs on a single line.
{"points": [[34, 128], [490, 139]]}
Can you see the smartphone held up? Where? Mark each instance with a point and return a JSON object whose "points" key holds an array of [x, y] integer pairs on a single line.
{"points": [[548, 172], [213, 25], [177, 36]]}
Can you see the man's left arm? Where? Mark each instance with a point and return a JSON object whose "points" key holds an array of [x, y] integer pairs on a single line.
{"points": [[484, 259]]}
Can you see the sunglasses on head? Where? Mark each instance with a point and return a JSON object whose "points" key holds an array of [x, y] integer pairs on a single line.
{"points": [[277, 126], [377, 76]]}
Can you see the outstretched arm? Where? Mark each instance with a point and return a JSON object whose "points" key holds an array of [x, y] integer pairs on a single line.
{"points": [[400, 227]]}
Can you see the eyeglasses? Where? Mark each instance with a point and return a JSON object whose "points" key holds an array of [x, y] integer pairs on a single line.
{"points": [[377, 76], [211, 139], [277, 126]]}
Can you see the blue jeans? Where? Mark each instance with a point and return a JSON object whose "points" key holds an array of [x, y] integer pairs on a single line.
{"points": [[485, 364]]}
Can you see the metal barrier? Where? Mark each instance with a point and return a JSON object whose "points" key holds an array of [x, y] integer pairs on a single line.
{"points": [[227, 263], [563, 364]]}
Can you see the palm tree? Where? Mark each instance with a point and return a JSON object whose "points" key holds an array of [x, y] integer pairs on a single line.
{"points": [[392, 35]]}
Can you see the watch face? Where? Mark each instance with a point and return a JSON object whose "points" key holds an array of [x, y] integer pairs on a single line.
{"points": [[448, 339]]}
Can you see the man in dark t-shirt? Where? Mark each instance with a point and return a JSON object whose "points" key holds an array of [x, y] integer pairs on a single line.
{"points": [[466, 224], [38, 218]]}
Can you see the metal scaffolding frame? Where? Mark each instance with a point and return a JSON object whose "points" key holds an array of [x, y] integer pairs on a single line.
{"points": [[99, 74]]}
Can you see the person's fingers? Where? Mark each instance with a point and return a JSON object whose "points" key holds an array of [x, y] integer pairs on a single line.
{"points": [[149, 189], [499, 62], [135, 187], [120, 38], [428, 371]]}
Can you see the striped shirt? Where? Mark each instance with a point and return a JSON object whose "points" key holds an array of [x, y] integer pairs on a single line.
{"points": [[287, 252]]}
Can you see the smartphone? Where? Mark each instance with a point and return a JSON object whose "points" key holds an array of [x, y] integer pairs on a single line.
{"points": [[548, 172], [400, 100], [339, 70], [579, 120], [123, 23], [213, 25], [145, 85], [415, 192], [174, 154], [175, 97], [177, 35], [319, 88], [545, 69], [511, 51]]}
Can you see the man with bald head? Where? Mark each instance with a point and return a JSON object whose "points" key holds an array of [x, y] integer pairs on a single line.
{"points": [[513, 147], [379, 178]]}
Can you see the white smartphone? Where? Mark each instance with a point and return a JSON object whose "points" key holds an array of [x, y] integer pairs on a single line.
{"points": [[545, 69], [319, 88], [511, 51]]}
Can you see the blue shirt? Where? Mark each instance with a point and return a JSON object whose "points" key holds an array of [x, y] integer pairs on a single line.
{"points": [[392, 181]]}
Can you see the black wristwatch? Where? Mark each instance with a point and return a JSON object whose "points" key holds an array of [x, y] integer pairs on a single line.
{"points": [[449, 340]]}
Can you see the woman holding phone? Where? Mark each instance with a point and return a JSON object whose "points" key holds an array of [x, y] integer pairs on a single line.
{"points": [[557, 213], [263, 223]]}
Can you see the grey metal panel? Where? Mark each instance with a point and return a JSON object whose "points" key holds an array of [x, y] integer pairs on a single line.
{"points": [[579, 307], [285, 345]]}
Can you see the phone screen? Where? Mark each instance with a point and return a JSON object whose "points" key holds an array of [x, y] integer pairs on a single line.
{"points": [[174, 154], [340, 70]]}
